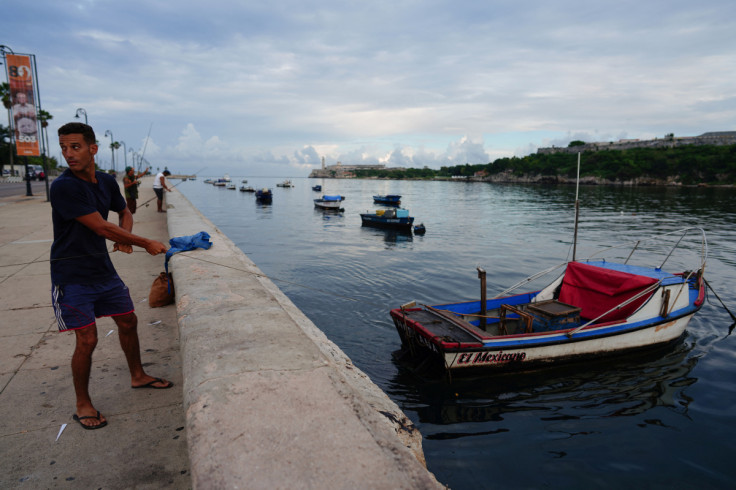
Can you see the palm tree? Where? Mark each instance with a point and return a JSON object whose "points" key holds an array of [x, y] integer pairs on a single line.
{"points": [[44, 117], [5, 95], [114, 145]]}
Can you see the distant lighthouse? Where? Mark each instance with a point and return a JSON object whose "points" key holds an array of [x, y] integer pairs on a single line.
{"points": [[323, 163]]}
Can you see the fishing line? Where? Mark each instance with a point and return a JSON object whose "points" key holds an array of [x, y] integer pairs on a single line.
{"points": [[286, 281], [275, 279]]}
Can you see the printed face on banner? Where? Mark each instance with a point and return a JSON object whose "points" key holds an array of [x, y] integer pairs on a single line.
{"points": [[23, 110]]}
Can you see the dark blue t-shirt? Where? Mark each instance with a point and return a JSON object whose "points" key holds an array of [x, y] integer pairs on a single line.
{"points": [[78, 255]]}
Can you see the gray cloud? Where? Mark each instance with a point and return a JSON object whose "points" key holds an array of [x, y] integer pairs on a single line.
{"points": [[403, 83]]}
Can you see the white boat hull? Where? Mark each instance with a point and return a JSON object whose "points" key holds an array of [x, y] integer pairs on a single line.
{"points": [[568, 349], [334, 205]]}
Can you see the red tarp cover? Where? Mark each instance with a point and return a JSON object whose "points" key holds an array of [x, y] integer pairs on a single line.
{"points": [[596, 290]]}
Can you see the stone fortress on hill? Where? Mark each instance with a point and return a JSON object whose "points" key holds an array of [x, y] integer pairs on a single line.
{"points": [[718, 138], [340, 171]]}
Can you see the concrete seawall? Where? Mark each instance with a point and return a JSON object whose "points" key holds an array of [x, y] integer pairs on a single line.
{"points": [[270, 402]]}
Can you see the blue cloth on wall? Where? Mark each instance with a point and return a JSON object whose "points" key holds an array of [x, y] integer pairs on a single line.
{"points": [[184, 243]]}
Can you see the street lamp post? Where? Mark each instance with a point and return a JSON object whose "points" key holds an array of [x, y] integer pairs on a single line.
{"points": [[125, 152], [135, 158], [83, 112], [112, 147]]}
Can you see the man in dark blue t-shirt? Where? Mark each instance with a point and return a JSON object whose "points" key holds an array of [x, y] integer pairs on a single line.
{"points": [[85, 284]]}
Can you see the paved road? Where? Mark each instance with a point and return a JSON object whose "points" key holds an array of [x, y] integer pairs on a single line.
{"points": [[38, 188]]}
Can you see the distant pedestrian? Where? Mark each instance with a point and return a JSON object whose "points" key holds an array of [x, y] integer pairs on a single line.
{"points": [[130, 184], [84, 282], [159, 184]]}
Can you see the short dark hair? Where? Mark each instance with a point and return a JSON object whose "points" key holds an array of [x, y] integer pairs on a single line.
{"points": [[166, 172], [79, 128]]}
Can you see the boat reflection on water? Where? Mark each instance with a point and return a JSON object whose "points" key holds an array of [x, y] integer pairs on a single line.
{"points": [[624, 386], [389, 235]]}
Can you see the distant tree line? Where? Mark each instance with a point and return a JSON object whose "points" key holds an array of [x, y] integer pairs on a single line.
{"points": [[689, 165]]}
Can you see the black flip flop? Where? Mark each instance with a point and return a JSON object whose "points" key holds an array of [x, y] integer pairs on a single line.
{"points": [[157, 380], [90, 427]]}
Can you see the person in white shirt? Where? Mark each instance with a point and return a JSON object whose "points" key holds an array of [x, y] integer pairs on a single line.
{"points": [[159, 184]]}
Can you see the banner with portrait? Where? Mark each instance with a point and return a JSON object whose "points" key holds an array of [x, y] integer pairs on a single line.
{"points": [[23, 110]]}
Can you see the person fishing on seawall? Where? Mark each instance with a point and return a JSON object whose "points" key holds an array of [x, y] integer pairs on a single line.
{"points": [[131, 183], [159, 184], [84, 282]]}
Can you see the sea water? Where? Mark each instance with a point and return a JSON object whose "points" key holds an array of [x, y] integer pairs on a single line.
{"points": [[660, 420]]}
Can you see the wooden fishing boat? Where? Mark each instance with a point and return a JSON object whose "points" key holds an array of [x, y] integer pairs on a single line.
{"points": [[264, 195], [332, 203], [388, 199], [398, 219], [594, 308]]}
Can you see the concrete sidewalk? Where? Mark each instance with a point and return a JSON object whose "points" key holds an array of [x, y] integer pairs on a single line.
{"points": [[262, 398], [144, 444]]}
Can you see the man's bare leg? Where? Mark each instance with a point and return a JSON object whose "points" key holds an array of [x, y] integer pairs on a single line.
{"points": [[128, 334], [81, 368]]}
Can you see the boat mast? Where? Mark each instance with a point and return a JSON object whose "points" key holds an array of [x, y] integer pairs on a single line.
{"points": [[577, 212]]}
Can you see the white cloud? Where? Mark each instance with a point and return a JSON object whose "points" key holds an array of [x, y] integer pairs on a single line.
{"points": [[406, 83]]}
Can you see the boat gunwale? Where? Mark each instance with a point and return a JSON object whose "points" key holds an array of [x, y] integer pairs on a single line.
{"points": [[540, 339]]}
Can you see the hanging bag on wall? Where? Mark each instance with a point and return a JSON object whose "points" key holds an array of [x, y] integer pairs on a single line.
{"points": [[162, 291]]}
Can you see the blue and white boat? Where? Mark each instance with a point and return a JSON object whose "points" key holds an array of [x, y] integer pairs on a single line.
{"points": [[333, 203], [264, 195], [388, 199], [594, 308], [398, 219], [317, 188]]}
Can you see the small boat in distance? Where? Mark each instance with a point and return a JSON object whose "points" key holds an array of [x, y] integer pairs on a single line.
{"points": [[244, 181], [246, 189], [390, 199], [317, 188], [220, 182], [264, 195], [231, 186], [286, 183], [397, 219], [420, 229], [332, 203], [209, 181]]}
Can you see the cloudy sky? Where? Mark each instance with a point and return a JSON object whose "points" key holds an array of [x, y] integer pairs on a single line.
{"points": [[267, 88]]}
